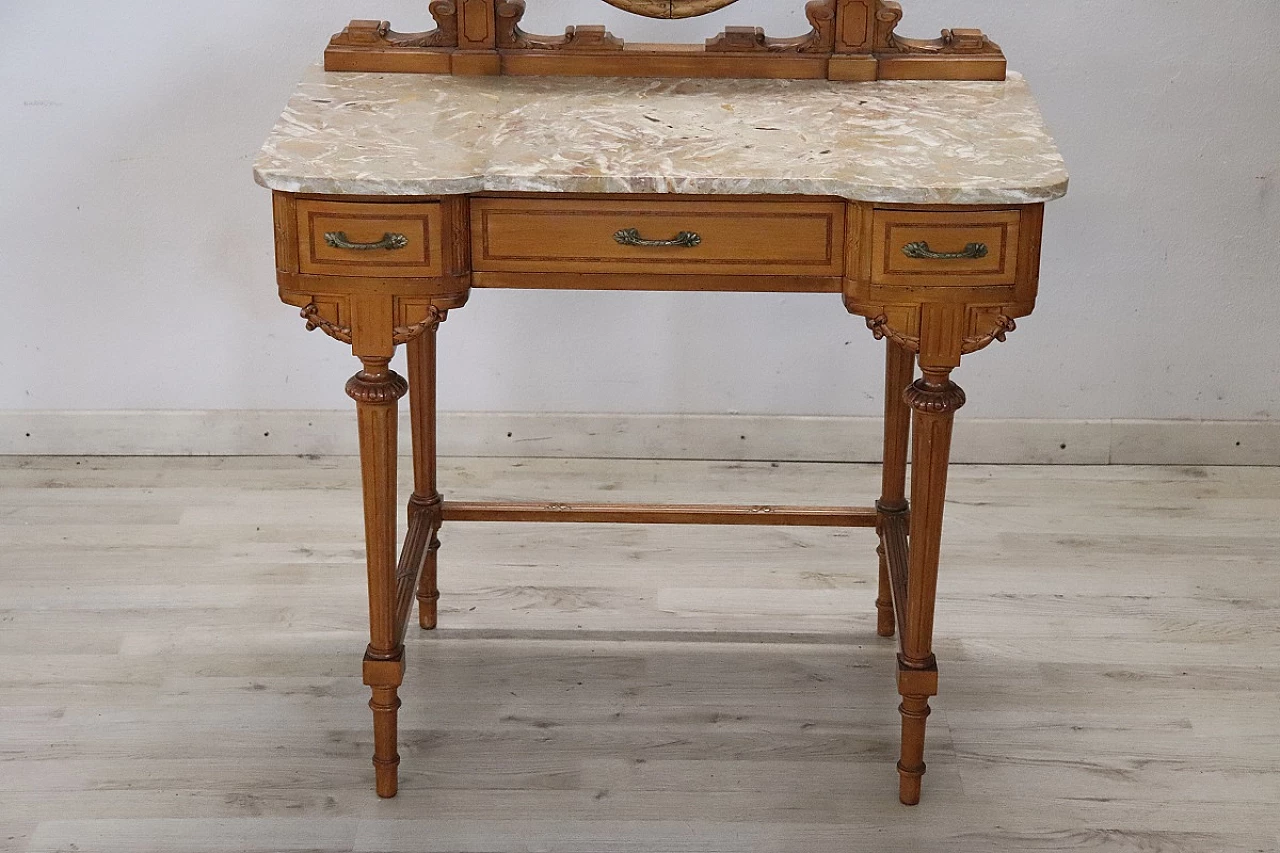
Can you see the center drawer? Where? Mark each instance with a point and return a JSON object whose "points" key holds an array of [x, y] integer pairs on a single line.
{"points": [[669, 237]]}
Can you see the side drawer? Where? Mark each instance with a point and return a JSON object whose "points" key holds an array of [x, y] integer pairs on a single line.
{"points": [[966, 249], [383, 240], [625, 236]]}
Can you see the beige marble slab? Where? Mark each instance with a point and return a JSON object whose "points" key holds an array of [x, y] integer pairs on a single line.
{"points": [[935, 142]]}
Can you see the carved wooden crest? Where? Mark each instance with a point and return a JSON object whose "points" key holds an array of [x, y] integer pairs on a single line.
{"points": [[851, 40]]}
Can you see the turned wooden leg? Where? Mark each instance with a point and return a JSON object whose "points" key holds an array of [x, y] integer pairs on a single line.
{"points": [[377, 389], [426, 496], [900, 364], [935, 400]]}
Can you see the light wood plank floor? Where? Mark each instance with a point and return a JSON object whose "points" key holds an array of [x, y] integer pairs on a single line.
{"points": [[180, 643]]}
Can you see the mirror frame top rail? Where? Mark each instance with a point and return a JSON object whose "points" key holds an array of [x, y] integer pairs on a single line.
{"points": [[850, 40]]}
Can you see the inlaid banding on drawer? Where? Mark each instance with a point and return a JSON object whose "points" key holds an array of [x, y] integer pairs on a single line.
{"points": [[668, 237], [391, 240], [963, 249]]}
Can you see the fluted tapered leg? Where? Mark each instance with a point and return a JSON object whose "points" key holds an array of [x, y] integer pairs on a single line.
{"points": [[935, 400], [899, 373], [426, 496], [377, 390]]}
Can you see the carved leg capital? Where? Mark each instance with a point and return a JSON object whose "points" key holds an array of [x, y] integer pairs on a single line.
{"points": [[935, 394], [377, 384]]}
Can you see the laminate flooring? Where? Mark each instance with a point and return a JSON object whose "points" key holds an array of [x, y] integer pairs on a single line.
{"points": [[180, 645]]}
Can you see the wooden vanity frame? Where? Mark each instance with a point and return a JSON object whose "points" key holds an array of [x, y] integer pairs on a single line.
{"points": [[937, 282], [851, 40], [932, 310]]}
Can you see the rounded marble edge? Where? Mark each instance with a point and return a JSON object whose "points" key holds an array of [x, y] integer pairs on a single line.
{"points": [[662, 186]]}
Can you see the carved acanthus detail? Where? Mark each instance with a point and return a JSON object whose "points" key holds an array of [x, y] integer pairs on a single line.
{"points": [[959, 42], [592, 38], [952, 42], [822, 39], [374, 34], [888, 16]]}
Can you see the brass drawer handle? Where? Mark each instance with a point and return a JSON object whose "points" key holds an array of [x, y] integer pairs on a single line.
{"points": [[390, 242], [683, 240], [921, 252]]}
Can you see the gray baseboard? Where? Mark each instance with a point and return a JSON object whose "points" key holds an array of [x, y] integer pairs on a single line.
{"points": [[729, 437]]}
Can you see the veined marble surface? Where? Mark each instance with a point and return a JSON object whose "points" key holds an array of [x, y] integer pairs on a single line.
{"points": [[934, 142]]}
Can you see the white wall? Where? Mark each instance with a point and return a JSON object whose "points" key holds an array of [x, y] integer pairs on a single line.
{"points": [[136, 261]]}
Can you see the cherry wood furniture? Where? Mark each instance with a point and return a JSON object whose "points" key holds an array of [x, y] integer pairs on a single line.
{"points": [[907, 177]]}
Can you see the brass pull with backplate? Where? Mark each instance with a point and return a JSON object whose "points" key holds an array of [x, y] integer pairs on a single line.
{"points": [[921, 252], [683, 240], [390, 242]]}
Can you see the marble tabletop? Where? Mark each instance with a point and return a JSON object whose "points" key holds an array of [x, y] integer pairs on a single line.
{"points": [[932, 142]]}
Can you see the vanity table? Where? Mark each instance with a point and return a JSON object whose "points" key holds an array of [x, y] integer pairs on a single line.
{"points": [[908, 178]]}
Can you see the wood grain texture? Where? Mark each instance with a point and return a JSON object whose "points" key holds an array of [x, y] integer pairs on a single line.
{"points": [[476, 31], [791, 238], [761, 515], [421, 226], [900, 366], [938, 307], [934, 400], [997, 231], [943, 308], [1111, 681], [426, 495]]}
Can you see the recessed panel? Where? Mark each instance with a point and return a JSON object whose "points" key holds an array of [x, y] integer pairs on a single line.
{"points": [[669, 237], [373, 240], [959, 249]]}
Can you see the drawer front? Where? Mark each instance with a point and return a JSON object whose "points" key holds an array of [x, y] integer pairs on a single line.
{"points": [[663, 237], [966, 249], [378, 240]]}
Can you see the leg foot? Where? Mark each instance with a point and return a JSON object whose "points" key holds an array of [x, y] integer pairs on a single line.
{"points": [[915, 711], [386, 761], [884, 600], [428, 593]]}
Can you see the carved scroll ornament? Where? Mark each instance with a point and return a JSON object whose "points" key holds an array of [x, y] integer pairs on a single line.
{"points": [[952, 42], [375, 34], [510, 36], [822, 39]]}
